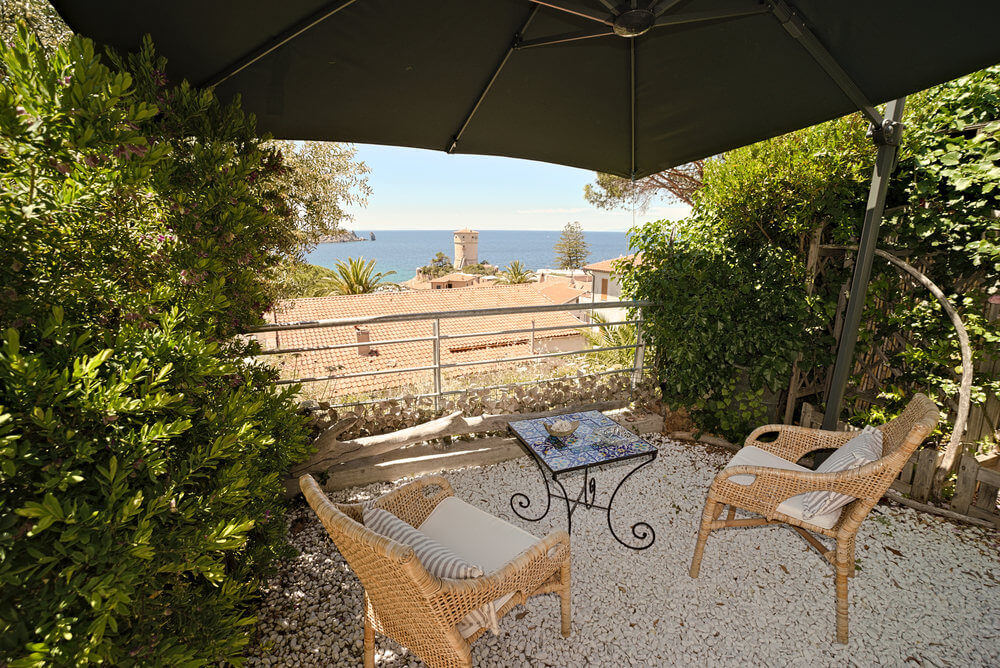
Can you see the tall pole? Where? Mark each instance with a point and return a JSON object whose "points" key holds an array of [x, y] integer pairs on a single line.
{"points": [[886, 139]]}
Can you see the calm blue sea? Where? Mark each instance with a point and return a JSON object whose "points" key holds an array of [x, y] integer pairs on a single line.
{"points": [[403, 251]]}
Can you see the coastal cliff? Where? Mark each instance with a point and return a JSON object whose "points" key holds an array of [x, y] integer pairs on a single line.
{"points": [[341, 237]]}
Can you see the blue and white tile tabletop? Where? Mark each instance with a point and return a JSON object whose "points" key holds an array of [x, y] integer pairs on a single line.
{"points": [[598, 440]]}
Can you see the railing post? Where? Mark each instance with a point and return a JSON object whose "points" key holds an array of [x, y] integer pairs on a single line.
{"points": [[640, 351], [437, 364], [532, 337]]}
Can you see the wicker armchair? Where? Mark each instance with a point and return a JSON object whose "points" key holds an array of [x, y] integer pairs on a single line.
{"points": [[416, 609], [771, 486]]}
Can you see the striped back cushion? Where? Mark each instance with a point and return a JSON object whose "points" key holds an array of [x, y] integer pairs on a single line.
{"points": [[864, 448], [436, 558]]}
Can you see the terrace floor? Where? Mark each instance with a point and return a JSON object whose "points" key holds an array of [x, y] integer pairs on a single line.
{"points": [[926, 593]]}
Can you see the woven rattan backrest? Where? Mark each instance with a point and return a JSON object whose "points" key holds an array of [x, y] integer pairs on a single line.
{"points": [[901, 436], [399, 590]]}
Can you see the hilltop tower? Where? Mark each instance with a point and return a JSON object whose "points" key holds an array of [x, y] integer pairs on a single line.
{"points": [[466, 248]]}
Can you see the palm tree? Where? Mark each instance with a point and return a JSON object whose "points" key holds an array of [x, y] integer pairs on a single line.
{"points": [[611, 336], [357, 277], [517, 273]]}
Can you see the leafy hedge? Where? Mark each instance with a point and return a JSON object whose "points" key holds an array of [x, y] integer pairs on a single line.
{"points": [[141, 451], [734, 308]]}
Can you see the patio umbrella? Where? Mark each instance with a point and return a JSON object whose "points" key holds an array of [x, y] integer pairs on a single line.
{"points": [[630, 88]]}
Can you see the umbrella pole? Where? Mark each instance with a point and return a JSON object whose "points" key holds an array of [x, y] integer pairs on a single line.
{"points": [[886, 139]]}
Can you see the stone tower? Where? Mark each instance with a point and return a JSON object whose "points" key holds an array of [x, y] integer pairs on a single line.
{"points": [[466, 248]]}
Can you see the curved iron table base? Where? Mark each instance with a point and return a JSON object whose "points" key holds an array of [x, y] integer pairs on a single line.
{"points": [[587, 498]]}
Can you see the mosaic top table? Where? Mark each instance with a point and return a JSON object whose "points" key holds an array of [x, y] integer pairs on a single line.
{"points": [[598, 442]]}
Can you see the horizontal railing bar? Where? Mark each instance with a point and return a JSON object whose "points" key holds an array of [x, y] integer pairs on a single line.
{"points": [[361, 374], [431, 315], [540, 329], [540, 381], [385, 342], [582, 351], [281, 351]]}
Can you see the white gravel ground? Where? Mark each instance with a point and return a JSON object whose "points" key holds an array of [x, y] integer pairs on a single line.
{"points": [[927, 592]]}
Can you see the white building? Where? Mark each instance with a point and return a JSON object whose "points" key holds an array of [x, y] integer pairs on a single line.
{"points": [[466, 248], [606, 286]]}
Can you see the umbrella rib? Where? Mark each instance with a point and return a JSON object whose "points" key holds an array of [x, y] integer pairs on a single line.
{"points": [[798, 29], [576, 12], [697, 17], [279, 40], [560, 39], [611, 7], [489, 84], [665, 7]]}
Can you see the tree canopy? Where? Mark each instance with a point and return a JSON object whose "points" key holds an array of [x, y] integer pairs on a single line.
{"points": [[319, 181], [356, 276], [615, 192], [516, 273], [572, 249]]}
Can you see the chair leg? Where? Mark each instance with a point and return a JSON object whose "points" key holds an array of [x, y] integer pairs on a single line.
{"points": [[731, 515], [564, 598], [712, 510], [369, 648], [844, 569]]}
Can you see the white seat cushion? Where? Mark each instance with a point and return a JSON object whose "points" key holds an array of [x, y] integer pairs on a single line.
{"points": [[754, 456], [479, 538]]}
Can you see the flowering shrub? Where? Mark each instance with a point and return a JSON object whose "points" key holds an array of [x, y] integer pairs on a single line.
{"points": [[141, 452]]}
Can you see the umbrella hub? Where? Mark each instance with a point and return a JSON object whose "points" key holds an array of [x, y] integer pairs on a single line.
{"points": [[634, 22]]}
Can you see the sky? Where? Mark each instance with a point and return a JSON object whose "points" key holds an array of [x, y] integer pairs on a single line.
{"points": [[431, 190]]}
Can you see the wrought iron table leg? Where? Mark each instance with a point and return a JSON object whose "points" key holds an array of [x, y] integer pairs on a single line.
{"points": [[523, 501], [640, 530], [569, 509]]}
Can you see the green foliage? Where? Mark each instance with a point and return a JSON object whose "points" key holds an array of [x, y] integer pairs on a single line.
{"points": [[483, 268], [306, 280], [39, 16], [440, 265], [734, 305], [357, 276], [141, 455], [516, 273], [572, 249], [319, 180], [728, 322], [610, 336]]}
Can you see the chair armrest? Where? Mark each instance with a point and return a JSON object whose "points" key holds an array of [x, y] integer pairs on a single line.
{"points": [[773, 486], [414, 501], [525, 573], [794, 442]]}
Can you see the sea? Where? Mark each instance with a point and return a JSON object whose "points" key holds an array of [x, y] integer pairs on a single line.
{"points": [[403, 251]]}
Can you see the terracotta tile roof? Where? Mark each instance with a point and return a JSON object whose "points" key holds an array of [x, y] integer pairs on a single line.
{"points": [[454, 276], [411, 354], [559, 292], [466, 231], [606, 265]]}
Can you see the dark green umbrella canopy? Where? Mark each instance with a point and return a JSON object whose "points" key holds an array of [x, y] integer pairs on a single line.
{"points": [[630, 88]]}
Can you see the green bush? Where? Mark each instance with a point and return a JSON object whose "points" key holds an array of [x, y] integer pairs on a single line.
{"points": [[733, 307], [141, 450]]}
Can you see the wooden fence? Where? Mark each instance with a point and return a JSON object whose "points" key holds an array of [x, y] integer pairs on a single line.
{"points": [[976, 486], [874, 366]]}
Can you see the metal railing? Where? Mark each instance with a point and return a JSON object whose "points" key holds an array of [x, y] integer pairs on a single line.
{"points": [[436, 366]]}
